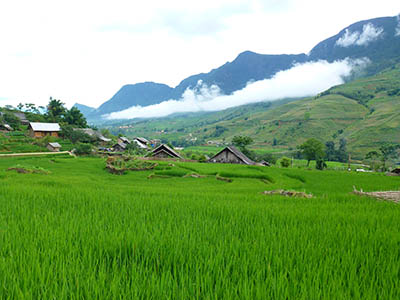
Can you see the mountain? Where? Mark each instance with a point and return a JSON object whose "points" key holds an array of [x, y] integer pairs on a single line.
{"points": [[86, 110], [378, 40], [143, 94], [364, 112]]}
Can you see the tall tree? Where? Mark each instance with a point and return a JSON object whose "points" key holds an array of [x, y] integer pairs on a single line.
{"points": [[75, 117], [55, 110], [312, 149]]}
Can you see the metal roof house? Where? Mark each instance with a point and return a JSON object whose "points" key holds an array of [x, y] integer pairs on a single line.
{"points": [[163, 151], [54, 147], [39, 130], [231, 155]]}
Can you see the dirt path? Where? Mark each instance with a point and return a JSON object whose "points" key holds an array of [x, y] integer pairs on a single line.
{"points": [[35, 154]]}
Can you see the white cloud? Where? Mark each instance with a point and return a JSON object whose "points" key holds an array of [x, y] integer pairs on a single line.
{"points": [[301, 80], [84, 51], [397, 33], [369, 34]]}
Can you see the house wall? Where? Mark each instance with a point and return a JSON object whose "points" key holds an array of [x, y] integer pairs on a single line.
{"points": [[227, 157], [39, 134], [162, 154], [53, 149]]}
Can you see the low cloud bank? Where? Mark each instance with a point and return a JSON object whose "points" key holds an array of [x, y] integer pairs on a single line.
{"points": [[369, 34], [397, 33], [301, 80]]}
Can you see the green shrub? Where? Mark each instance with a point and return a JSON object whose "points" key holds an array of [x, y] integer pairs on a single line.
{"points": [[285, 162], [82, 149]]}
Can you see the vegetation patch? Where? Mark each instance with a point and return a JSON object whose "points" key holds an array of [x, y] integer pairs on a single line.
{"points": [[28, 169], [120, 165], [295, 176], [246, 175], [288, 193]]}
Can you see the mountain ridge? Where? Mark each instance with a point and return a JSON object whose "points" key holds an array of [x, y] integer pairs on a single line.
{"points": [[381, 47]]}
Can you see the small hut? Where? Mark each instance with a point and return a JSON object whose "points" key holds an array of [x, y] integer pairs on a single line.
{"points": [[22, 117], [124, 140], [39, 130], [231, 155], [163, 151], [54, 147], [395, 172], [6, 127]]}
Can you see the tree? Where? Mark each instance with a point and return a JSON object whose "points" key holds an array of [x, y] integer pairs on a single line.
{"points": [[55, 110], [242, 141], [330, 151], [386, 152], [12, 120], [75, 117], [312, 149], [342, 154]]}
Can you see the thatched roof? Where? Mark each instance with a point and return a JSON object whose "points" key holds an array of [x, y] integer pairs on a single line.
{"points": [[165, 149], [142, 140], [48, 127], [237, 153]]}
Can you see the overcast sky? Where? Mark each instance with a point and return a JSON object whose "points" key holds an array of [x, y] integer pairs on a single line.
{"points": [[84, 51]]}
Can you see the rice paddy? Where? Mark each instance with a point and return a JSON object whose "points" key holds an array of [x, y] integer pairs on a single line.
{"points": [[79, 232]]}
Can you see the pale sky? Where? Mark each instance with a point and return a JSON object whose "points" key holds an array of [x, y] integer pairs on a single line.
{"points": [[85, 51]]}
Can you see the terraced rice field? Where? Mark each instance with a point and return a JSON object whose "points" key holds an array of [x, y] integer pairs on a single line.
{"points": [[80, 232]]}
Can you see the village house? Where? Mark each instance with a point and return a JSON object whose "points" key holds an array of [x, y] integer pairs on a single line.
{"points": [[39, 130], [163, 151], [6, 127], [123, 139], [231, 155], [54, 147], [142, 143], [21, 116], [119, 147], [94, 134]]}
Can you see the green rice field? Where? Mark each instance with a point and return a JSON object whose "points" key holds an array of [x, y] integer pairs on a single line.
{"points": [[75, 231]]}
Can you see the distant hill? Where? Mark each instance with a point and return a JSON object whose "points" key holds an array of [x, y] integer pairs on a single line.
{"points": [[364, 112], [86, 110], [375, 39]]}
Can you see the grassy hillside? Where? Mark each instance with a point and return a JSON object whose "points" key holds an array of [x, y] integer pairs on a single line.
{"points": [[80, 232], [364, 112]]}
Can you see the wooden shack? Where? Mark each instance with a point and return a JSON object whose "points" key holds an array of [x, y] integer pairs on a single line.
{"points": [[54, 147], [119, 147], [163, 151], [231, 155], [39, 130]]}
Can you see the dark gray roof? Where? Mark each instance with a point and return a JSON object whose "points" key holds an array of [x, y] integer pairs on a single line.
{"points": [[165, 149], [237, 153], [122, 145], [93, 133]]}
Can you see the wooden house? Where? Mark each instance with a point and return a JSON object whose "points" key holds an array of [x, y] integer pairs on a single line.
{"points": [[231, 155], [163, 151], [54, 147], [140, 143], [39, 130], [124, 140], [94, 134], [6, 127], [119, 147], [22, 117]]}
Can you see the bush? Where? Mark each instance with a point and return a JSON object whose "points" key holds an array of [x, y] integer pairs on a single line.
{"points": [[82, 149], [285, 162], [320, 164]]}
